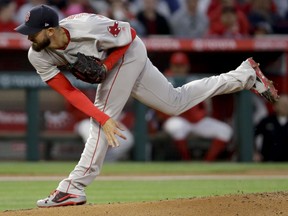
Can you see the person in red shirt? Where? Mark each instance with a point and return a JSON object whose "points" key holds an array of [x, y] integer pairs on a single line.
{"points": [[230, 24], [228, 20], [7, 13], [195, 120]]}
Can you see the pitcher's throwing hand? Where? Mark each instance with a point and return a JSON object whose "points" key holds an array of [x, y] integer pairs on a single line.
{"points": [[111, 128]]}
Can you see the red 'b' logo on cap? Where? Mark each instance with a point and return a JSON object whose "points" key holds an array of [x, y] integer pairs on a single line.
{"points": [[27, 17]]}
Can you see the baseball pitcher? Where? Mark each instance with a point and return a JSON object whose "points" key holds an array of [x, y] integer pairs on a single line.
{"points": [[99, 50]]}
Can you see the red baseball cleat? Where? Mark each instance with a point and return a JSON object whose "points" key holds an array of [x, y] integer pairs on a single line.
{"points": [[58, 198], [263, 86]]}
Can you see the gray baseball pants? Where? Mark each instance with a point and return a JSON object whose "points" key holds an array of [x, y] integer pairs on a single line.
{"points": [[135, 75]]}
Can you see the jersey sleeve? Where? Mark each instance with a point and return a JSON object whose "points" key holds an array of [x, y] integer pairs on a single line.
{"points": [[108, 33], [42, 63]]}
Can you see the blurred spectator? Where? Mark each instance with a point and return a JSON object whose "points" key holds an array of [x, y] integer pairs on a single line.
{"points": [[100, 6], [262, 28], [195, 121], [7, 14], [77, 6], [60, 4], [229, 24], [202, 5], [20, 3], [153, 22], [163, 7], [119, 10], [271, 134], [188, 22], [25, 8], [215, 6], [263, 12], [173, 5], [228, 20], [281, 7], [281, 27]]}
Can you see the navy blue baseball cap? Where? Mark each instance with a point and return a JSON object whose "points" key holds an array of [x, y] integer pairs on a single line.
{"points": [[38, 18]]}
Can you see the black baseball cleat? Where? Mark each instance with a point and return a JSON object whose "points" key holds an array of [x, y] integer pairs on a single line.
{"points": [[58, 198], [263, 86]]}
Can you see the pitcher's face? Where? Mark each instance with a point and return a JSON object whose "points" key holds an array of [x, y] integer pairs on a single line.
{"points": [[39, 40]]}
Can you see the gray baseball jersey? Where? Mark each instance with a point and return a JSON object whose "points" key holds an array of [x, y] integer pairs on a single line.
{"points": [[135, 75], [90, 34]]}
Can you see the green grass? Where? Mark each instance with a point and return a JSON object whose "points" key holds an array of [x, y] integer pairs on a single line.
{"points": [[22, 195], [132, 168]]}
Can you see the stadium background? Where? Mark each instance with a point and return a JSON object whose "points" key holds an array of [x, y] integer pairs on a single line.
{"points": [[32, 114], [27, 135]]}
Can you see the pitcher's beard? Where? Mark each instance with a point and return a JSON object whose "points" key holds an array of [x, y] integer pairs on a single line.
{"points": [[40, 46]]}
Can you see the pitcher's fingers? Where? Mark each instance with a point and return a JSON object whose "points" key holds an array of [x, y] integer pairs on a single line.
{"points": [[115, 142], [120, 127], [109, 140], [121, 135]]}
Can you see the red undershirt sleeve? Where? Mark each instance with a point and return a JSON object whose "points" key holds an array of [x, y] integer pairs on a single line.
{"points": [[117, 53], [63, 86]]}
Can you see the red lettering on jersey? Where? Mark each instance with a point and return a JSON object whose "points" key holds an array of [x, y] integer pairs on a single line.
{"points": [[100, 16], [75, 16], [114, 30]]}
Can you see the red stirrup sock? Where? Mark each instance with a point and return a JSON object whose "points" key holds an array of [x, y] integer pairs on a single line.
{"points": [[182, 147], [216, 148]]}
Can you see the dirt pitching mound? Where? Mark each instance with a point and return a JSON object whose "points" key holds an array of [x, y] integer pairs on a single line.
{"points": [[261, 204]]}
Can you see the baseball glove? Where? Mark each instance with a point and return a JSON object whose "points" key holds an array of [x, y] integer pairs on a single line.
{"points": [[88, 69]]}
